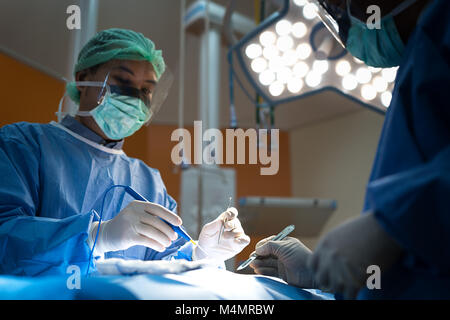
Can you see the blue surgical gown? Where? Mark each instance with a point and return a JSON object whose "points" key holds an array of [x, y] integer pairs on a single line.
{"points": [[409, 185], [52, 185]]}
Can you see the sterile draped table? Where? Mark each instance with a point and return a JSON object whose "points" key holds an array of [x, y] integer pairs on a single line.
{"points": [[199, 284]]}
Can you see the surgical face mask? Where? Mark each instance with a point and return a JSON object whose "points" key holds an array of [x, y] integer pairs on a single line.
{"points": [[121, 110], [118, 115], [381, 47]]}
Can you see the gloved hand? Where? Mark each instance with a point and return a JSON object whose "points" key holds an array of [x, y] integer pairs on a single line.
{"points": [[232, 241], [285, 259], [341, 258], [137, 224]]}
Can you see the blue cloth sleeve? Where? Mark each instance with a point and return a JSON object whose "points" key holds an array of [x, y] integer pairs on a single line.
{"points": [[32, 245], [412, 207]]}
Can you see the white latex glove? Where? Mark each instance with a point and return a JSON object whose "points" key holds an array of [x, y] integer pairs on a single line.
{"points": [[341, 258], [285, 259], [137, 224], [232, 241]]}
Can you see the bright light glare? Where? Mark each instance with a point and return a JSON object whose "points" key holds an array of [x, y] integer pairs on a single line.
{"points": [[303, 50], [300, 2], [275, 64], [313, 79], [289, 57], [266, 77], [284, 74], [368, 92], [253, 51], [300, 69], [386, 98], [299, 30], [276, 88], [343, 67], [283, 27], [320, 66], [259, 65], [380, 84], [363, 75], [270, 52], [389, 74], [374, 70], [294, 85], [310, 11], [285, 43], [267, 38], [349, 82]]}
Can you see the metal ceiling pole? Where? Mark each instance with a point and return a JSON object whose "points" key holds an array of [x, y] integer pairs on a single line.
{"points": [[89, 18]]}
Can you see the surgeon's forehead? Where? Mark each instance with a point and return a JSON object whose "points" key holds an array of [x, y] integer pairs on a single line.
{"points": [[139, 69]]}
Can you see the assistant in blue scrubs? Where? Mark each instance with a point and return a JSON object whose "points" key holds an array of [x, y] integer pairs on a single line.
{"points": [[53, 177], [410, 181]]}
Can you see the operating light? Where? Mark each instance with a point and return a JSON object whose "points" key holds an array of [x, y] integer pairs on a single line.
{"points": [[386, 98], [266, 77], [310, 11], [313, 79], [283, 27], [300, 69], [363, 75], [343, 67], [368, 92], [299, 30], [276, 88], [259, 65], [303, 51], [349, 82], [253, 51], [294, 85], [267, 38], [285, 43], [293, 54]]}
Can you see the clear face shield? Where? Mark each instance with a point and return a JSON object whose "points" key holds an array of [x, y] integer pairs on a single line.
{"points": [[152, 101]]}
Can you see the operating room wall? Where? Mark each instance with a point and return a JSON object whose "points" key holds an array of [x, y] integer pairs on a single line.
{"points": [[333, 159]]}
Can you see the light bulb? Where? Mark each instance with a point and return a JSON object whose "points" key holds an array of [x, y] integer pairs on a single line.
{"points": [[389, 74], [368, 92], [267, 38], [276, 88], [343, 67], [386, 98], [300, 3], [299, 29], [275, 64], [284, 74], [294, 85], [300, 69], [289, 57], [349, 82], [303, 50], [320, 66], [266, 77], [380, 84], [363, 75], [313, 79], [310, 11], [283, 27], [253, 51], [259, 64], [285, 43], [270, 52]]}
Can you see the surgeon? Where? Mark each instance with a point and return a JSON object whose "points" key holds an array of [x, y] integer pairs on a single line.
{"points": [[403, 235], [57, 178]]}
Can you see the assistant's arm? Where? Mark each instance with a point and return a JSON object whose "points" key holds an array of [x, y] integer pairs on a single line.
{"points": [[31, 245]]}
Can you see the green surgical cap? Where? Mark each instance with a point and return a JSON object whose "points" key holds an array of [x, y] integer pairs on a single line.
{"points": [[119, 44]]}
